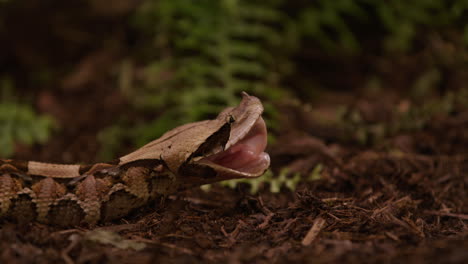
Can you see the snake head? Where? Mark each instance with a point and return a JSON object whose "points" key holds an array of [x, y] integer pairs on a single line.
{"points": [[228, 147]]}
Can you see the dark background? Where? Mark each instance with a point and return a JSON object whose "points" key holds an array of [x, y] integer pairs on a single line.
{"points": [[365, 101]]}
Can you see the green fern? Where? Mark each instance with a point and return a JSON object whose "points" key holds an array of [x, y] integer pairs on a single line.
{"points": [[403, 19], [209, 51], [275, 183], [417, 116], [19, 123], [219, 48], [199, 55], [327, 23], [333, 23]]}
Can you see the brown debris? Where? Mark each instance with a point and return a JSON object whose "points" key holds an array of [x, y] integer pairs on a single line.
{"points": [[314, 231], [367, 204]]}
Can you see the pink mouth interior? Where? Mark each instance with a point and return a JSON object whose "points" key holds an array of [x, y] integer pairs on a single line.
{"points": [[248, 154]]}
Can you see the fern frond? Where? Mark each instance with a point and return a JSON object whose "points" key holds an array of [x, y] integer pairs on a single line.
{"points": [[19, 123], [217, 49]]}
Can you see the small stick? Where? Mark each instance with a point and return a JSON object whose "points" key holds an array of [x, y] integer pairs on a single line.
{"points": [[265, 222], [171, 246], [461, 216], [313, 231]]}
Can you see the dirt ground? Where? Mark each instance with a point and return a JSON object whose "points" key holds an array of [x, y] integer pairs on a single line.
{"points": [[369, 204], [401, 199]]}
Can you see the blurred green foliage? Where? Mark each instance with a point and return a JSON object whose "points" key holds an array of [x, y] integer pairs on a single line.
{"points": [[199, 55], [193, 58], [403, 20], [202, 55], [285, 178], [19, 123], [210, 52], [336, 24], [409, 116]]}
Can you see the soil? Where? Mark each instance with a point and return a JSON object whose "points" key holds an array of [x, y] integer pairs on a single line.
{"points": [[369, 205], [401, 199]]}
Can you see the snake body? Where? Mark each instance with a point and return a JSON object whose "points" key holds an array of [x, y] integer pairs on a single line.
{"points": [[101, 193], [189, 155]]}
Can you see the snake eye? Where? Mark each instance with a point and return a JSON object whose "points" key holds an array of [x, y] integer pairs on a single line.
{"points": [[231, 119]]}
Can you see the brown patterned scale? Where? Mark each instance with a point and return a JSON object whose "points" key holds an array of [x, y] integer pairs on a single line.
{"points": [[85, 199]]}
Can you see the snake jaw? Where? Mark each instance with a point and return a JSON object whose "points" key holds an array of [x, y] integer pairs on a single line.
{"points": [[246, 155]]}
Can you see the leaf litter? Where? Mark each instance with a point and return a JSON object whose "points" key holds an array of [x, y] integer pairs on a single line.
{"points": [[330, 199]]}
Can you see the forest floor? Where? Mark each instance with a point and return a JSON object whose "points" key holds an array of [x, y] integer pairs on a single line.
{"points": [[403, 200], [382, 186]]}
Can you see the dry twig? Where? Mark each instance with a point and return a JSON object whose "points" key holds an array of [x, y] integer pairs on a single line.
{"points": [[314, 231]]}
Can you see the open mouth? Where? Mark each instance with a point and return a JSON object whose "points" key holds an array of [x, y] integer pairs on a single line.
{"points": [[245, 151]]}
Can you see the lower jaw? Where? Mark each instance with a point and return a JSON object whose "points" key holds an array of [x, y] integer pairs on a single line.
{"points": [[254, 168], [257, 166]]}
